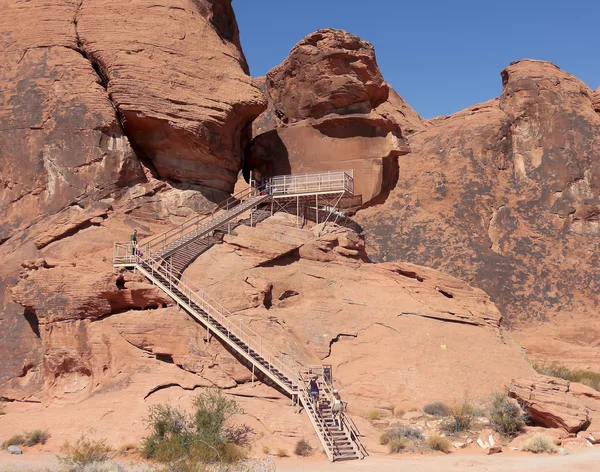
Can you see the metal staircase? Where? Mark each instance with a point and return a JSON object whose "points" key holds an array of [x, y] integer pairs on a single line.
{"points": [[340, 441]]}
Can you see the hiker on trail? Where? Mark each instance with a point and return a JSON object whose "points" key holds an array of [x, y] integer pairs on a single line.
{"points": [[134, 242], [337, 409], [314, 390]]}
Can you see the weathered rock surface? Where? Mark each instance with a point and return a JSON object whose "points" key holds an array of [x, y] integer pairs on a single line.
{"points": [[596, 100], [395, 332], [84, 81], [556, 403], [506, 195], [176, 73], [329, 110], [60, 137]]}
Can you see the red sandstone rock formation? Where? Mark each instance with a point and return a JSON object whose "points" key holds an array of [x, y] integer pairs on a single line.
{"points": [[596, 100], [556, 403], [329, 110], [506, 195], [84, 81], [396, 333]]}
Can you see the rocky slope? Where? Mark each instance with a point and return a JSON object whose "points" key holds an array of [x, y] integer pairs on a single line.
{"points": [[84, 82], [330, 109], [398, 335], [506, 195]]}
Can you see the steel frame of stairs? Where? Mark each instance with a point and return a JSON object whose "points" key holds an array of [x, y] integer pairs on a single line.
{"points": [[340, 442]]}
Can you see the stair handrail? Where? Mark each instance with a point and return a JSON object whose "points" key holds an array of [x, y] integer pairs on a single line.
{"points": [[345, 420], [201, 219], [221, 314], [321, 429]]}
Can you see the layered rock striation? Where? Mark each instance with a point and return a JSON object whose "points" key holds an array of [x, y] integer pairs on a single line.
{"points": [[330, 109]]}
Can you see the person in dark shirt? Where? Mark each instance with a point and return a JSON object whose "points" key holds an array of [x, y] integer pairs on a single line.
{"points": [[314, 390]]}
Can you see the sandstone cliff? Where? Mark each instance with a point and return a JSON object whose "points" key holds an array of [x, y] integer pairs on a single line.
{"points": [[84, 84], [505, 195]]}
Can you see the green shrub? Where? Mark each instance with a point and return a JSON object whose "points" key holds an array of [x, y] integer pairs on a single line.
{"points": [[505, 415], [436, 409], [37, 436], [384, 439], [591, 379], [397, 445], [373, 415], [539, 443], [303, 448], [461, 417], [281, 453], [86, 451], [14, 440], [438, 443], [204, 436]]}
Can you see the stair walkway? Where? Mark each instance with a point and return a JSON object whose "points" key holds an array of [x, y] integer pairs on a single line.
{"points": [[340, 441], [198, 228]]}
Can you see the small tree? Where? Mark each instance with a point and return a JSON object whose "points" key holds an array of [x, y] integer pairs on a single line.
{"points": [[206, 435]]}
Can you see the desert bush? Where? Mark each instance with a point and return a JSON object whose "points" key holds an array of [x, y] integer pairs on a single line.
{"points": [[14, 440], [86, 451], [505, 415], [37, 436], [281, 453], [461, 417], [539, 443], [104, 466], [436, 409], [384, 438], [2, 408], [438, 443], [205, 436], [591, 379], [303, 448], [397, 445], [373, 415], [405, 432]]}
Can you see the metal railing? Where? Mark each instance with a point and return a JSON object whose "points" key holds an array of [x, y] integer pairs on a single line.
{"points": [[163, 240], [254, 342], [346, 422], [334, 181]]}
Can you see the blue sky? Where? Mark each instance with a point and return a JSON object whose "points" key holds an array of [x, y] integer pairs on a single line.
{"points": [[441, 56]]}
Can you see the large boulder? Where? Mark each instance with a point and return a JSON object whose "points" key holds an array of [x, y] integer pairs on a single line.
{"points": [[556, 403], [506, 195], [329, 109]]}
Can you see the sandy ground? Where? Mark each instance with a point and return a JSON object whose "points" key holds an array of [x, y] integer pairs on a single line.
{"points": [[578, 460]]}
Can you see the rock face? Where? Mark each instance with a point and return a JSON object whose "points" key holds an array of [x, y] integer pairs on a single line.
{"points": [[596, 100], [83, 82], [556, 403], [181, 86], [506, 195], [395, 332], [60, 138], [329, 110]]}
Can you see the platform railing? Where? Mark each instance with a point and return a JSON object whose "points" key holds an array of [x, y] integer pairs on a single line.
{"points": [[333, 181]]}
